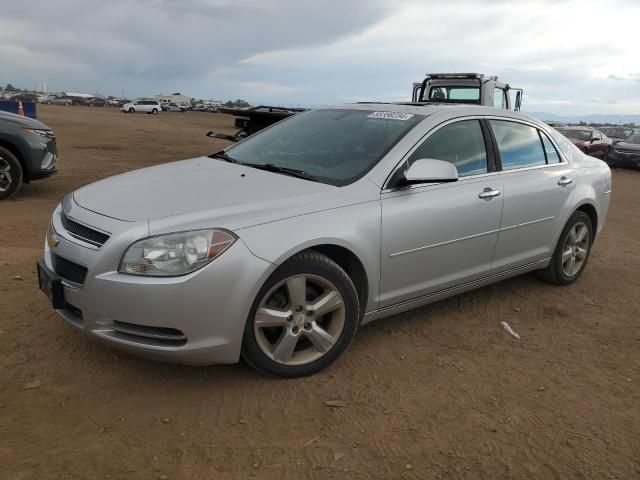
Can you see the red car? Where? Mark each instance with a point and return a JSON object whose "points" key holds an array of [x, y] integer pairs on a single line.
{"points": [[590, 141]]}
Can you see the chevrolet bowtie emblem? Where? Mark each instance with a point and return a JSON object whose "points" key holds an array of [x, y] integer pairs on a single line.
{"points": [[52, 240]]}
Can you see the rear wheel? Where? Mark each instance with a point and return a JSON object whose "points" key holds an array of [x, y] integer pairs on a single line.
{"points": [[10, 174], [303, 318], [572, 251]]}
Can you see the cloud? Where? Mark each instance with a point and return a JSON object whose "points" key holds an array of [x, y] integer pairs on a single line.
{"points": [[310, 53]]}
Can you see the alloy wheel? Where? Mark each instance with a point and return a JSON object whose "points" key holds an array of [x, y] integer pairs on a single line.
{"points": [[299, 320], [576, 248], [5, 175]]}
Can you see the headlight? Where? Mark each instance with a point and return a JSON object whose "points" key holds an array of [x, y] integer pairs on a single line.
{"points": [[41, 132], [176, 253]]}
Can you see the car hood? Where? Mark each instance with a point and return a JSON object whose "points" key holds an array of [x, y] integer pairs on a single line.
{"points": [[628, 146], [21, 120], [576, 141], [204, 188]]}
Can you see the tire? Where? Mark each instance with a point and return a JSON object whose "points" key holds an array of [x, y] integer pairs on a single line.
{"points": [[132, 110], [49, 102], [334, 297], [154, 111], [557, 271], [11, 174], [68, 104]]}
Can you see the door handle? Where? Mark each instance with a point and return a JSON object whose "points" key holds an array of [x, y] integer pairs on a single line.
{"points": [[564, 181], [488, 193]]}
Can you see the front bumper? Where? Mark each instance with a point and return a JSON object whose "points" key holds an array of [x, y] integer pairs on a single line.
{"points": [[195, 319], [622, 159], [42, 157]]}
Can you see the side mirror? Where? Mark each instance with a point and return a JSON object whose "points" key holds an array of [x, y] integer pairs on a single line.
{"points": [[428, 170]]}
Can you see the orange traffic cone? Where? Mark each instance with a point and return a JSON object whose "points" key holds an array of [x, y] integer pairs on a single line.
{"points": [[20, 109]]}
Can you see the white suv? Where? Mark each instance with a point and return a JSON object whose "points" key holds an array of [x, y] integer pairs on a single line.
{"points": [[144, 106]]}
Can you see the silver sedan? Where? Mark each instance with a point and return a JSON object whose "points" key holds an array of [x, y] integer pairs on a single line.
{"points": [[279, 247]]}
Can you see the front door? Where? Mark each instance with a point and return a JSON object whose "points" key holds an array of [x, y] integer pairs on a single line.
{"points": [[438, 235]]}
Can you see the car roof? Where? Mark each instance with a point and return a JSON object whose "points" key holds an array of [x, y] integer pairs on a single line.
{"points": [[428, 109], [586, 129]]}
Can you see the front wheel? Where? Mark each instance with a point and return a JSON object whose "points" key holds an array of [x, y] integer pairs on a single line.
{"points": [[572, 251], [132, 110], [303, 318], [10, 174], [154, 111]]}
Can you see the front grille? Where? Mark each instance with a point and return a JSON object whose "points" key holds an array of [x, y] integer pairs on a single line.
{"points": [[69, 270], [82, 232], [628, 152], [151, 335]]}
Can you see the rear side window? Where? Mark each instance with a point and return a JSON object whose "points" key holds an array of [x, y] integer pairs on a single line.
{"points": [[519, 145], [549, 149], [460, 143]]}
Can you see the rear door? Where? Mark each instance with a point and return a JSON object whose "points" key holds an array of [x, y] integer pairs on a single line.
{"points": [[439, 235], [538, 187]]}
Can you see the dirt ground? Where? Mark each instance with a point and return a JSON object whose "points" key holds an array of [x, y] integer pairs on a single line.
{"points": [[439, 392]]}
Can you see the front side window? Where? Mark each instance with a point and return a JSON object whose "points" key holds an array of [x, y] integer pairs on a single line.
{"points": [[335, 146], [460, 143], [519, 145], [499, 98]]}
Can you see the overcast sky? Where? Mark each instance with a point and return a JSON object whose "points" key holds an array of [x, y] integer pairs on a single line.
{"points": [[571, 57]]}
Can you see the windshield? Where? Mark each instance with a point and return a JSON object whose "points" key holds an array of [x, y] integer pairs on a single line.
{"points": [[635, 138], [576, 134], [615, 132], [334, 146]]}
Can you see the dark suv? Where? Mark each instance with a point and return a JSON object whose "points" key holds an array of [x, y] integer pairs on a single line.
{"points": [[27, 152]]}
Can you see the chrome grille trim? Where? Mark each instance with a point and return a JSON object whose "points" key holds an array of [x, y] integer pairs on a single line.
{"points": [[83, 232]]}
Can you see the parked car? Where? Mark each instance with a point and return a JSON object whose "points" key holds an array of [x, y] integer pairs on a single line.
{"points": [[626, 153], [27, 152], [617, 134], [26, 97], [142, 106], [279, 247], [46, 98], [172, 107], [63, 100], [590, 141], [97, 102]]}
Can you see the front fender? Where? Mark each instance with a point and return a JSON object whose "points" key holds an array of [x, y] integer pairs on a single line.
{"points": [[355, 227]]}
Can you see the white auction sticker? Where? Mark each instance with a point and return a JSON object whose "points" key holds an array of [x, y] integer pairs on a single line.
{"points": [[391, 115]]}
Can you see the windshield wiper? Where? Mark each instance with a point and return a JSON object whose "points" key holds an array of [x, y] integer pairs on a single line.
{"points": [[223, 156], [270, 167]]}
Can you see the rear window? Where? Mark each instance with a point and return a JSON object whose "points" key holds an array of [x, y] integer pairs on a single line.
{"points": [[583, 135], [460, 94]]}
